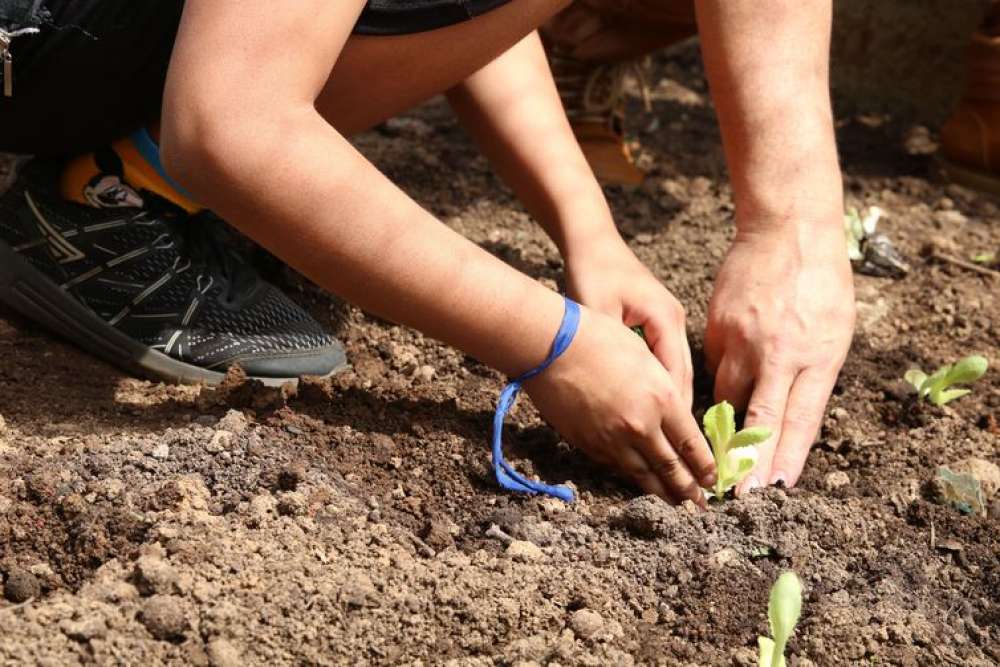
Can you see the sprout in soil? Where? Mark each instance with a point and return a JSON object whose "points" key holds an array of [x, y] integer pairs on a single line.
{"points": [[783, 609], [857, 229], [735, 453], [937, 389]]}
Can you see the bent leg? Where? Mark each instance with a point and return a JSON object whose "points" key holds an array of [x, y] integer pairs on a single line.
{"points": [[376, 78]]}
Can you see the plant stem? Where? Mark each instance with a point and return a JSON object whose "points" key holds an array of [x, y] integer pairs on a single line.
{"points": [[778, 656]]}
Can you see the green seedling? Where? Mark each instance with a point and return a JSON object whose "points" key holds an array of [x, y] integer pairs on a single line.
{"points": [[735, 453], [857, 229], [985, 258], [937, 389], [783, 609]]}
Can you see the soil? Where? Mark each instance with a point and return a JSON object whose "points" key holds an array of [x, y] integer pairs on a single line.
{"points": [[356, 520]]}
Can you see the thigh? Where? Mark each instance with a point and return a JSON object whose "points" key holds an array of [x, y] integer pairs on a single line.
{"points": [[377, 77]]}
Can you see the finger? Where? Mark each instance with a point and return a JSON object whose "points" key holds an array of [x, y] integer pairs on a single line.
{"points": [[672, 472], [803, 418], [767, 408], [733, 382], [666, 335], [633, 465], [681, 440]]}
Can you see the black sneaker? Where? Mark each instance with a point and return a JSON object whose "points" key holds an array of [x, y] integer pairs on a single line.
{"points": [[142, 284]]}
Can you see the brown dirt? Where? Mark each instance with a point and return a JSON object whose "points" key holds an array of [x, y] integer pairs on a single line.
{"points": [[146, 524]]}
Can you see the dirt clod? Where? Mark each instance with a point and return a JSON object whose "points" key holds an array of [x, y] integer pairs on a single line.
{"points": [[524, 551], [165, 617], [586, 623], [154, 575], [21, 585], [221, 653]]}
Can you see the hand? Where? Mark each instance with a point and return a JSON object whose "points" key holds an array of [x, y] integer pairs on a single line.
{"points": [[609, 396], [609, 278], [779, 326]]}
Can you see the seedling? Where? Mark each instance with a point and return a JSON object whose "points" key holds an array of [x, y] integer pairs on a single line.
{"points": [[735, 453], [783, 609], [857, 229], [937, 389]]}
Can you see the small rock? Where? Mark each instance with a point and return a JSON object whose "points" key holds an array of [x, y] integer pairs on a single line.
{"points": [[521, 550], [987, 472], [724, 557], [263, 508], [161, 451], [223, 654], [164, 617], [5, 504], [154, 575], [424, 374], [497, 533], [84, 630], [835, 480], [21, 585], [292, 503], [221, 441], [235, 422], [649, 516], [840, 414], [586, 623], [358, 591]]}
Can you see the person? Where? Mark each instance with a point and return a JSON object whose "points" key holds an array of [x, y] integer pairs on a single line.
{"points": [[257, 105], [970, 137]]}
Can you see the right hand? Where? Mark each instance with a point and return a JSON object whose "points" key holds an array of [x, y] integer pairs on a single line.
{"points": [[610, 396]]}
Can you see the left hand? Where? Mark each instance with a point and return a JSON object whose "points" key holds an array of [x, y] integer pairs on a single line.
{"points": [[610, 279], [780, 323]]}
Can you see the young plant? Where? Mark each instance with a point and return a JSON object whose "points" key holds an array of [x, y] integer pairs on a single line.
{"points": [[735, 453], [857, 229], [937, 389], [783, 609]]}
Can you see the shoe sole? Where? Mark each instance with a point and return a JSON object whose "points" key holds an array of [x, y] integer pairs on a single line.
{"points": [[975, 179], [28, 291]]}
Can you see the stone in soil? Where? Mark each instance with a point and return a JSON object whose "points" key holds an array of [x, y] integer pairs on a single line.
{"points": [[165, 617], [21, 585]]}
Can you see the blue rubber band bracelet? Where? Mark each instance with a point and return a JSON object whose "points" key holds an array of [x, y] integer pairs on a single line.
{"points": [[507, 477]]}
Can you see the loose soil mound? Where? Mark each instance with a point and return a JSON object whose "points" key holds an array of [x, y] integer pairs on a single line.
{"points": [[356, 520]]}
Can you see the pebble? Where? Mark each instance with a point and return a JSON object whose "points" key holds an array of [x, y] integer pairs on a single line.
{"points": [[84, 630], [223, 654], [840, 414], [154, 575], [235, 422], [835, 480], [164, 617], [292, 503], [724, 557], [524, 551], [221, 441], [161, 451], [586, 623], [987, 472], [425, 373], [21, 586]]}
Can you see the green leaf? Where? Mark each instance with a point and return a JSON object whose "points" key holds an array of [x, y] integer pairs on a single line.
{"points": [[916, 377], [948, 395], [967, 370], [936, 382], [720, 425], [784, 607], [766, 647], [750, 436]]}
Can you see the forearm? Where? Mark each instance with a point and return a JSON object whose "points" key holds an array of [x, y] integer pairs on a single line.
{"points": [[304, 193], [512, 109], [767, 63]]}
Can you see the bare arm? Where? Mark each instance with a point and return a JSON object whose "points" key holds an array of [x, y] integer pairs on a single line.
{"points": [[513, 110], [241, 131], [782, 313]]}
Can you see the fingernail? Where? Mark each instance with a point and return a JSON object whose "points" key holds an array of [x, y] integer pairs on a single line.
{"points": [[779, 478], [751, 484]]}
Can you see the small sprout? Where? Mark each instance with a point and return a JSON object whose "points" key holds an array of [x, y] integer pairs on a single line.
{"points": [[857, 229], [783, 609], [985, 258], [735, 454], [937, 389]]}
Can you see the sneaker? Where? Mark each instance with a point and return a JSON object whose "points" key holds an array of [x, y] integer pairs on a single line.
{"points": [[970, 138], [594, 48], [146, 285]]}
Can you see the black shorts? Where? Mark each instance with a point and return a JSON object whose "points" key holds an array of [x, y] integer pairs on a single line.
{"points": [[95, 71]]}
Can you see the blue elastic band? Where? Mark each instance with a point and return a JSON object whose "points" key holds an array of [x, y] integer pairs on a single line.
{"points": [[509, 478], [150, 151]]}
